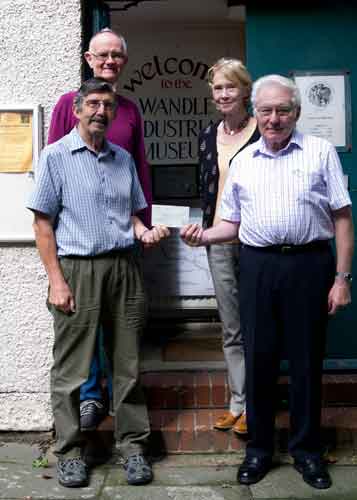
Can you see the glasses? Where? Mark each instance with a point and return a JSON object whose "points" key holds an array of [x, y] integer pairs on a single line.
{"points": [[95, 104], [115, 56], [280, 111]]}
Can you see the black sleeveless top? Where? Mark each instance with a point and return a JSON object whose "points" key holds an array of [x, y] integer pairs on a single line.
{"points": [[209, 171]]}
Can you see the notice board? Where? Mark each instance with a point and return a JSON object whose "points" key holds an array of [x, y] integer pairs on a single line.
{"points": [[20, 144]]}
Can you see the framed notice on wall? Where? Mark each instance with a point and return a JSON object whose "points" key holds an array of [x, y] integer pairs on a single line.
{"points": [[20, 145], [326, 106]]}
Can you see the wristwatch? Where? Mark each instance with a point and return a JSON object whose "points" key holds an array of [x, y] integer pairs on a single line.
{"points": [[346, 276]]}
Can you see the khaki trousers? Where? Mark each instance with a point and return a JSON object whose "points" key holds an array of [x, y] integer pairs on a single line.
{"points": [[223, 261], [108, 291]]}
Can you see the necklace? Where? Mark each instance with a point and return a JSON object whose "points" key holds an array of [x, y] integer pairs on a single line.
{"points": [[239, 127]]}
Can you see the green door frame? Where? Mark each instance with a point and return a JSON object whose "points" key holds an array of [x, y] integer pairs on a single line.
{"points": [[96, 16]]}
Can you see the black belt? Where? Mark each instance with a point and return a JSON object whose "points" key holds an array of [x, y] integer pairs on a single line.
{"points": [[292, 249]]}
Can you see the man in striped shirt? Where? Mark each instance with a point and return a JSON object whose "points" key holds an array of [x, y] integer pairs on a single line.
{"points": [[87, 192], [286, 198]]}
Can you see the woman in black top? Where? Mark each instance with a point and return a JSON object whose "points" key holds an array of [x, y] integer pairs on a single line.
{"points": [[230, 84]]}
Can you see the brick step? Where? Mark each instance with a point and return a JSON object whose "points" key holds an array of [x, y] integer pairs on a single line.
{"points": [[191, 431], [209, 390], [178, 390]]}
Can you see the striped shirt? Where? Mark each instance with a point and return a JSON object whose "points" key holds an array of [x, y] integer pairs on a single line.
{"points": [[91, 197], [285, 197]]}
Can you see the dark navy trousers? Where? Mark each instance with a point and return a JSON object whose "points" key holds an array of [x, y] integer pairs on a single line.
{"points": [[283, 302]]}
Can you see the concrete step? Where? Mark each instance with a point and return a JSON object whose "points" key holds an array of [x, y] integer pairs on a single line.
{"points": [[206, 389]]}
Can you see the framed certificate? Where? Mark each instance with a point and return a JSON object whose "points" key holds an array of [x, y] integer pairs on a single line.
{"points": [[326, 106]]}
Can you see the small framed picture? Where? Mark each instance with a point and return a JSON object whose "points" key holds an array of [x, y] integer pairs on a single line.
{"points": [[326, 106]]}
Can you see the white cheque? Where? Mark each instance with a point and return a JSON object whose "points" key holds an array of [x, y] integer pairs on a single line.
{"points": [[170, 215]]}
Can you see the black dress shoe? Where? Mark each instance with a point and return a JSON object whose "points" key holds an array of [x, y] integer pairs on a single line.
{"points": [[314, 472], [253, 469]]}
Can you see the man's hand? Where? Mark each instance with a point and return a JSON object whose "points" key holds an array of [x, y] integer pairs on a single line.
{"points": [[192, 235], [152, 236], [61, 297], [339, 296]]}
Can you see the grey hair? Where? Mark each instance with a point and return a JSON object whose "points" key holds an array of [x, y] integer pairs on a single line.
{"points": [[118, 35], [91, 86], [279, 80]]}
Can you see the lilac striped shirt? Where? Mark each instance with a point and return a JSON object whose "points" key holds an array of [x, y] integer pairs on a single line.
{"points": [[285, 197]]}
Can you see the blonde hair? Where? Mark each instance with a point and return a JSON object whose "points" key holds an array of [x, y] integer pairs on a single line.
{"points": [[234, 70]]}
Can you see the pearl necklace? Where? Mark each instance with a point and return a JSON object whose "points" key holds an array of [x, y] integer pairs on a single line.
{"points": [[240, 126]]}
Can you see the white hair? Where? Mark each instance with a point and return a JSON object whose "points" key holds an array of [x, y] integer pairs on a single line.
{"points": [[118, 35], [265, 81]]}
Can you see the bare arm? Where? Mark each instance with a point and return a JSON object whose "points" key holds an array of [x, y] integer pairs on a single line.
{"points": [[149, 237], [194, 235], [60, 294], [340, 293]]}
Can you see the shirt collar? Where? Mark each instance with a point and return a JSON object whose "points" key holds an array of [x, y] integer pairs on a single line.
{"points": [[76, 143], [260, 147]]}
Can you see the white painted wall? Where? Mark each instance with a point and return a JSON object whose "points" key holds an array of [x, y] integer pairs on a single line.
{"points": [[40, 58]]}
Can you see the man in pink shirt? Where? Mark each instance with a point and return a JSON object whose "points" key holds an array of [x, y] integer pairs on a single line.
{"points": [[107, 57]]}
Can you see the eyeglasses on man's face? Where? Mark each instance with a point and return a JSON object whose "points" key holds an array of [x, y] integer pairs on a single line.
{"points": [[266, 111], [104, 56], [95, 104]]}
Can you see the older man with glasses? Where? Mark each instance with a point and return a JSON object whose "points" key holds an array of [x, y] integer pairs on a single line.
{"points": [[107, 56], [286, 198], [86, 196]]}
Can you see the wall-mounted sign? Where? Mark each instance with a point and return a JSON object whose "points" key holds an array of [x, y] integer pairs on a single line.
{"points": [[173, 97], [15, 140], [167, 78], [326, 106], [20, 144]]}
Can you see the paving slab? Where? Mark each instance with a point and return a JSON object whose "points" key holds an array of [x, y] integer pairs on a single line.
{"points": [[18, 481], [201, 459], [19, 453], [285, 482], [175, 493], [182, 476], [177, 477]]}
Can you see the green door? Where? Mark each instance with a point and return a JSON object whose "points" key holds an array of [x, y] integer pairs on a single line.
{"points": [[285, 39]]}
